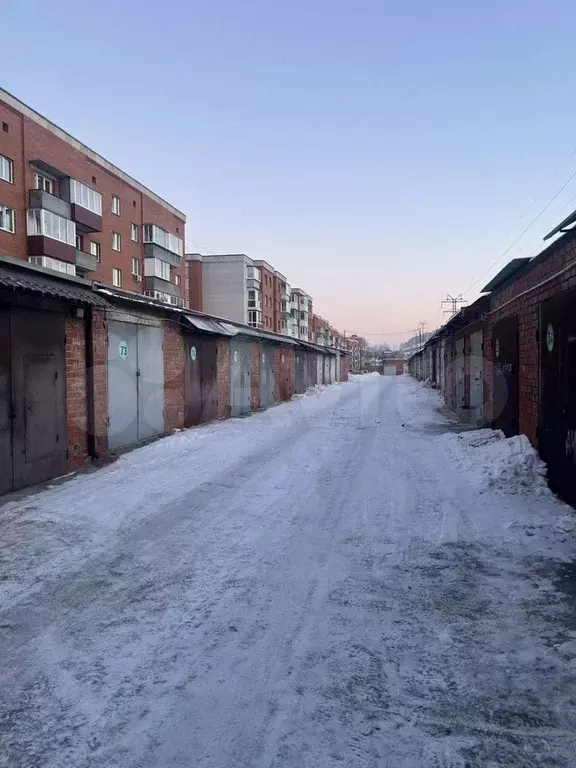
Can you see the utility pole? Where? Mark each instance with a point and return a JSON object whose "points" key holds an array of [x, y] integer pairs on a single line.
{"points": [[453, 302], [420, 330]]}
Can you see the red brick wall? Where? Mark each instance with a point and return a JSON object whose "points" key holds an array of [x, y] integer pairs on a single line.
{"points": [[26, 141], [284, 372], [173, 377], [223, 377], [255, 375], [76, 397], [268, 296], [195, 291], [523, 299], [100, 382]]}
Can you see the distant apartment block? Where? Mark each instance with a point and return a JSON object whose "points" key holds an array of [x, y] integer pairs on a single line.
{"points": [[301, 313], [66, 209]]}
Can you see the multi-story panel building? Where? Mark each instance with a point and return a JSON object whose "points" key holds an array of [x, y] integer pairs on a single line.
{"points": [[65, 208], [232, 288]]}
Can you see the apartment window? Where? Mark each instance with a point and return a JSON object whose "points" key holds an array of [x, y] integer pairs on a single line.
{"points": [[85, 196], [176, 279], [253, 317], [79, 243], [44, 182], [116, 205], [116, 242], [95, 250], [134, 233], [301, 315], [135, 267], [6, 219], [5, 127], [157, 268], [48, 224], [6, 169], [117, 278]]}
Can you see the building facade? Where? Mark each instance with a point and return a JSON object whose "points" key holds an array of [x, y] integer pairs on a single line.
{"points": [[66, 209]]}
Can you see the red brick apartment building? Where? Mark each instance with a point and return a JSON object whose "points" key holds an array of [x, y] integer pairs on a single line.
{"points": [[65, 208]]}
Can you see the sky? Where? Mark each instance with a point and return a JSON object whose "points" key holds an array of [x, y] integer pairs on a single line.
{"points": [[379, 154]]}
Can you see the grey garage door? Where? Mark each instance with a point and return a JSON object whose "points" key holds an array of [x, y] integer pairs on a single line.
{"points": [[300, 382], [135, 383], [239, 378], [267, 394]]}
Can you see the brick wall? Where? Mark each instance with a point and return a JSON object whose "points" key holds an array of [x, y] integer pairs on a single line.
{"points": [[255, 375], [27, 141], [523, 298], [76, 398], [223, 378], [173, 377]]}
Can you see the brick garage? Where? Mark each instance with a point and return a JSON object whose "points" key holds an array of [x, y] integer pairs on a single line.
{"points": [[552, 272]]}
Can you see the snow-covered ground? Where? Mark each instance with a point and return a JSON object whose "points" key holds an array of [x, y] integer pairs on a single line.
{"points": [[331, 583]]}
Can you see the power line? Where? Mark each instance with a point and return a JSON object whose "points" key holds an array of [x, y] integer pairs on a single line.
{"points": [[521, 235]]}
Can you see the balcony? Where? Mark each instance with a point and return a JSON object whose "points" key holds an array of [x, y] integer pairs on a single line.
{"points": [[255, 303], [161, 244], [85, 262], [252, 284], [166, 298], [51, 235], [85, 204], [38, 198], [158, 285]]}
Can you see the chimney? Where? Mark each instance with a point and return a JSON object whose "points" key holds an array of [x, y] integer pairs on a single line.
{"points": [[194, 280]]}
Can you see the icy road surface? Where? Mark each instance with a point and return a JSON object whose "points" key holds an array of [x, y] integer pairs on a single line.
{"points": [[319, 586]]}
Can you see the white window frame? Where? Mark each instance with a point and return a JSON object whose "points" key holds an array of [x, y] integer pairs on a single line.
{"points": [[157, 268], [134, 233], [116, 277], [95, 250], [47, 224], [44, 182], [6, 169], [177, 280], [116, 242], [135, 267], [115, 205], [85, 196], [5, 214]]}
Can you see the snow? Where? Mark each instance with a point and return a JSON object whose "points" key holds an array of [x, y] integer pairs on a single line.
{"points": [[507, 464], [332, 582]]}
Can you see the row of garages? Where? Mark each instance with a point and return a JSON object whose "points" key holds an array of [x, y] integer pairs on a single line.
{"points": [[87, 371], [508, 361]]}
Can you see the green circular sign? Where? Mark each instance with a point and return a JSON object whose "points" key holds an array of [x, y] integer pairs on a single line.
{"points": [[550, 337], [193, 353], [123, 350]]}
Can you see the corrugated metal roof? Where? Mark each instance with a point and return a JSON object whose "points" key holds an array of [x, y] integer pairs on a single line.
{"points": [[562, 226], [208, 326], [29, 280]]}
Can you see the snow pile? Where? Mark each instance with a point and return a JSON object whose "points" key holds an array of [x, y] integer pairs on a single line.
{"points": [[509, 464]]}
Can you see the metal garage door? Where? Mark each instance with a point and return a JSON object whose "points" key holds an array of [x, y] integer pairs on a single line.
{"points": [[389, 370], [319, 369], [557, 433], [311, 369], [460, 375], [300, 386], [332, 370], [201, 398], [135, 383], [476, 376], [505, 357], [338, 366], [239, 378], [267, 383], [33, 431]]}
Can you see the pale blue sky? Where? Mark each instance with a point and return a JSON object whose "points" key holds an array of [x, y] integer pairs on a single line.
{"points": [[379, 154]]}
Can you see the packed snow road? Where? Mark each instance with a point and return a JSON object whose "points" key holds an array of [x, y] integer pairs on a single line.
{"points": [[319, 585]]}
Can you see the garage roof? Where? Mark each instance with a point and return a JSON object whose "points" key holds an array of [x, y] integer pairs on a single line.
{"points": [[208, 326], [26, 278]]}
